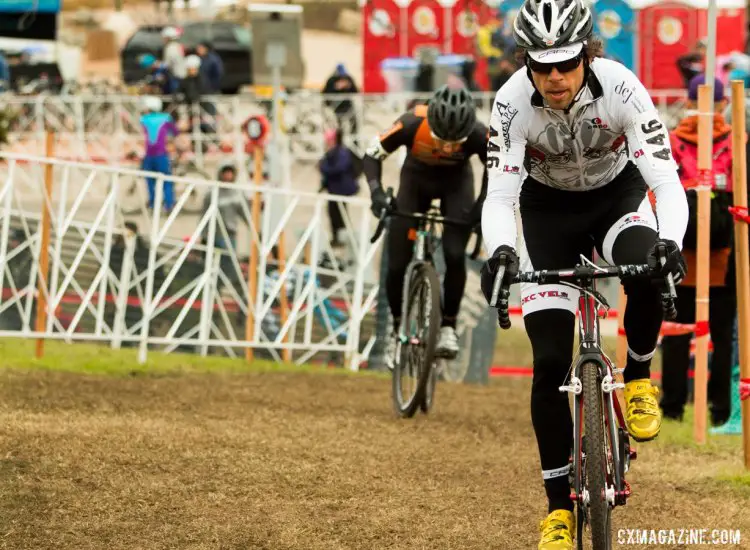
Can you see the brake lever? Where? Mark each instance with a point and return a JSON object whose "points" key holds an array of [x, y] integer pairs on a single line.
{"points": [[496, 286], [668, 297]]}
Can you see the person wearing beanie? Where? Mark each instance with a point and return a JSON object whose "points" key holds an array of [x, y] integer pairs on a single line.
{"points": [[676, 349]]}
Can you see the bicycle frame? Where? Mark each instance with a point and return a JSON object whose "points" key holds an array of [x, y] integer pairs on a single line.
{"points": [[422, 254]]}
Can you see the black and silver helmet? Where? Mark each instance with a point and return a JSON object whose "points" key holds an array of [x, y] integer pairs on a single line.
{"points": [[545, 24], [451, 113]]}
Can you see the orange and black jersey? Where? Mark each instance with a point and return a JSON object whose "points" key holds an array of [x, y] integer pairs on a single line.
{"points": [[424, 152]]}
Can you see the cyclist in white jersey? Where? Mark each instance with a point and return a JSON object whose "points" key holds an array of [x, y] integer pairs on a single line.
{"points": [[574, 122]]}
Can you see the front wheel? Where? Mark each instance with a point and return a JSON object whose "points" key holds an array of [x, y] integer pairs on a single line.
{"points": [[414, 364], [597, 449]]}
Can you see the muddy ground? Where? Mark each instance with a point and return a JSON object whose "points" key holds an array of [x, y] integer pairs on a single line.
{"points": [[302, 461]]}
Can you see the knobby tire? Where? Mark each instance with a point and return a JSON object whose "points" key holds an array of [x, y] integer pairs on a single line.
{"points": [[596, 457], [424, 287]]}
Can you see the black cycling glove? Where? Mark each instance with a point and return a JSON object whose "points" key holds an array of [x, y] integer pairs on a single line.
{"points": [[380, 201], [674, 261], [503, 256]]}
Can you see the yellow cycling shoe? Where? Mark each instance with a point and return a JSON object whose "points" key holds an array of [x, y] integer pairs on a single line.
{"points": [[557, 531], [643, 416]]}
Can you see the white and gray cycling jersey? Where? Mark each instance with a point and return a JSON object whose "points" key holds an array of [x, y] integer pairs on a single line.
{"points": [[611, 121]]}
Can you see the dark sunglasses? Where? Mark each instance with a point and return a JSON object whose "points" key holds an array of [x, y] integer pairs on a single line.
{"points": [[561, 66]]}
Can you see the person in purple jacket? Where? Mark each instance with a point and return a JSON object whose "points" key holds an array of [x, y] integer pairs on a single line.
{"points": [[340, 168], [157, 126]]}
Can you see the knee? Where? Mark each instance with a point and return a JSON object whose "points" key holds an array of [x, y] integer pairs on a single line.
{"points": [[631, 245]]}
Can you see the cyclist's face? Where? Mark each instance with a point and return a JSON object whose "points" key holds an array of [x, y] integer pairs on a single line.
{"points": [[447, 147], [559, 88]]}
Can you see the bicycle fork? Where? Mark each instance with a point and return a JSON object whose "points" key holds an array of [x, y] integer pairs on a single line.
{"points": [[620, 453]]}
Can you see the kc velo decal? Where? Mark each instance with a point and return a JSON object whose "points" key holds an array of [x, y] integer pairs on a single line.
{"points": [[544, 297]]}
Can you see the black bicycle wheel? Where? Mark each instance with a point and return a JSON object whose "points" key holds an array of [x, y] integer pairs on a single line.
{"points": [[429, 393], [422, 319], [595, 447]]}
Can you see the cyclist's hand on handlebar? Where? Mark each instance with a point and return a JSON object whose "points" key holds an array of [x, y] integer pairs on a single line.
{"points": [[380, 201], [506, 257], [665, 258]]}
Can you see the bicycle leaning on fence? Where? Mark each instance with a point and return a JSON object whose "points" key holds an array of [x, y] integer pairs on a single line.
{"points": [[420, 321], [601, 444]]}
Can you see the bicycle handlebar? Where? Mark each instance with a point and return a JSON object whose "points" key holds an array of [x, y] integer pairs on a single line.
{"points": [[580, 274], [387, 212]]}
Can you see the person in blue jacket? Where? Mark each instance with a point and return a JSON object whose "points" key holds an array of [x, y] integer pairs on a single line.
{"points": [[159, 75], [157, 126], [340, 168]]}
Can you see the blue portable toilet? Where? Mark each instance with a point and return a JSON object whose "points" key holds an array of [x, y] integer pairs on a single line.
{"points": [[614, 23], [509, 8]]}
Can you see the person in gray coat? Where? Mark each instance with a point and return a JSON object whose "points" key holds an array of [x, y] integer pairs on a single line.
{"points": [[230, 206]]}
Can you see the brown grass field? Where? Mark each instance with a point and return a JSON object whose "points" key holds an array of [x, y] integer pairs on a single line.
{"points": [[190, 453]]}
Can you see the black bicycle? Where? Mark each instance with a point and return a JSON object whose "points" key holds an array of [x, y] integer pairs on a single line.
{"points": [[415, 356], [601, 444]]}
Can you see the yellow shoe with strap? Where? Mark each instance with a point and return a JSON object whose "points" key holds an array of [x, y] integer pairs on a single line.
{"points": [[557, 531], [642, 416]]}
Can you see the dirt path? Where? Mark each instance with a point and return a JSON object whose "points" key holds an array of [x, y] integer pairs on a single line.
{"points": [[297, 461]]}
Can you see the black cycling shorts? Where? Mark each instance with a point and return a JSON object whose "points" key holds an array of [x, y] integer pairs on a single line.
{"points": [[559, 226]]}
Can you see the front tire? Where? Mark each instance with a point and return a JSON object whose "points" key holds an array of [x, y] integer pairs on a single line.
{"points": [[417, 353], [595, 447]]}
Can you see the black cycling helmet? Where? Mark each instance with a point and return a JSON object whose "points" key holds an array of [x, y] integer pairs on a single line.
{"points": [[545, 24], [451, 113]]}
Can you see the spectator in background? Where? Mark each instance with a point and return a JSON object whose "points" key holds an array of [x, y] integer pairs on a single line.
{"points": [[157, 127], [231, 211], [468, 70], [676, 349], [496, 45], [212, 68], [18, 268], [4, 74], [191, 87], [340, 168], [159, 80], [341, 82], [140, 265], [691, 64], [174, 53]]}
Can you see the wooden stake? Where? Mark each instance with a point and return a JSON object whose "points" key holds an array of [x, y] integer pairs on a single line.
{"points": [[41, 303], [252, 270], [286, 354], [742, 254], [705, 153]]}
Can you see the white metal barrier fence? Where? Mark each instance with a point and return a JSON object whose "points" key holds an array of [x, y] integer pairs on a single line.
{"points": [[106, 128], [183, 280]]}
